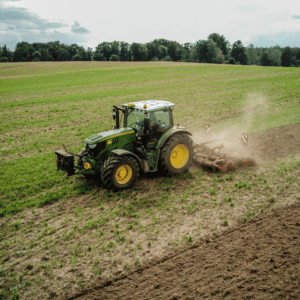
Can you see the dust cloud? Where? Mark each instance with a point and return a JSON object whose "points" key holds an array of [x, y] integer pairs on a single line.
{"points": [[230, 137]]}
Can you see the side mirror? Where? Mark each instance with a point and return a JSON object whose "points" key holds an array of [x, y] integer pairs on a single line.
{"points": [[114, 113], [146, 126]]}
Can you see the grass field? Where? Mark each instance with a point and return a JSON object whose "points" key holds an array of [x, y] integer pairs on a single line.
{"points": [[53, 227]]}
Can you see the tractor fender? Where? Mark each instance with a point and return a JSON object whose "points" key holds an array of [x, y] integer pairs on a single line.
{"points": [[168, 134], [122, 152]]}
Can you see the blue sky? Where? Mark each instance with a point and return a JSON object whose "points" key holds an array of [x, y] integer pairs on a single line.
{"points": [[90, 22]]}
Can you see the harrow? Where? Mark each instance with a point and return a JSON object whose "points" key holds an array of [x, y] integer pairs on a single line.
{"points": [[216, 156]]}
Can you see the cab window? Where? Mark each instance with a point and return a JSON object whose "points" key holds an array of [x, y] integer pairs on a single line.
{"points": [[135, 119], [160, 117]]}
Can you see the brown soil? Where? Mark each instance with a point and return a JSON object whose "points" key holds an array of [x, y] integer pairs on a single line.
{"points": [[276, 142], [255, 260]]}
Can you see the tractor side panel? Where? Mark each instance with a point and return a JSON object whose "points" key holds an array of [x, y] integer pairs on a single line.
{"points": [[152, 160], [121, 141]]}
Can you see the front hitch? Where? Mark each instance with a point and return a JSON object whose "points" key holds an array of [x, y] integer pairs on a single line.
{"points": [[65, 162]]}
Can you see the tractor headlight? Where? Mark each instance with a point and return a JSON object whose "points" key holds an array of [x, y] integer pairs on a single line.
{"points": [[87, 165], [92, 146]]}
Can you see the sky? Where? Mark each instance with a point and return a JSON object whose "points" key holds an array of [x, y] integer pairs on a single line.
{"points": [[88, 23]]}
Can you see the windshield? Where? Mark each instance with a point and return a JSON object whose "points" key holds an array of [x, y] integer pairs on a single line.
{"points": [[161, 117], [135, 119]]}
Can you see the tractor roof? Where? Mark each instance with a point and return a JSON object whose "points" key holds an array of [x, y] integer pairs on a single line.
{"points": [[152, 105]]}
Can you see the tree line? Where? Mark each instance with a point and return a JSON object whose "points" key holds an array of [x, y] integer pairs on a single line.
{"points": [[215, 49], [51, 51]]}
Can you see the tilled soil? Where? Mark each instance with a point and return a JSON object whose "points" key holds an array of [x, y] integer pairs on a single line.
{"points": [[276, 142], [255, 260]]}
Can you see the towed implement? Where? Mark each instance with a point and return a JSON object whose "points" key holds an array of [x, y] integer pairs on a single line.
{"points": [[143, 139]]}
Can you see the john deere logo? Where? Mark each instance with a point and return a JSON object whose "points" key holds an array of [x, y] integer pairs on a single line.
{"points": [[109, 142]]}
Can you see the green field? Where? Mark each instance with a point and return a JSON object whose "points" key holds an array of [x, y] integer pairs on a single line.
{"points": [[45, 105]]}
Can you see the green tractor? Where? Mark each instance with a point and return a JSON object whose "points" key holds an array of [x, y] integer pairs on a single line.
{"points": [[143, 139]]}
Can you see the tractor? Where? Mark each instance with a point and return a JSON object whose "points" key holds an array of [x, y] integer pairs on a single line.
{"points": [[144, 139]]}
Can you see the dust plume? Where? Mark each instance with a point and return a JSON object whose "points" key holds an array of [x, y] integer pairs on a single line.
{"points": [[230, 133]]}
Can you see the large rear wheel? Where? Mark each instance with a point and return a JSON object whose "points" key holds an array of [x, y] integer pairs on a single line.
{"points": [[119, 173], [177, 155]]}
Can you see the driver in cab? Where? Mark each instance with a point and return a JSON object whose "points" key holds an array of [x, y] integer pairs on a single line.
{"points": [[155, 126]]}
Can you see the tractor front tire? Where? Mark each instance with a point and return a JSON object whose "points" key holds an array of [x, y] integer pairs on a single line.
{"points": [[119, 172], [177, 155]]}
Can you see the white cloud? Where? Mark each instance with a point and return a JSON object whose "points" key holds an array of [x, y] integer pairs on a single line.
{"points": [[140, 21], [76, 28]]}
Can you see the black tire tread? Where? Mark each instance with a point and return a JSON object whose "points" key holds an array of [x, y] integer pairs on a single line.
{"points": [[109, 167]]}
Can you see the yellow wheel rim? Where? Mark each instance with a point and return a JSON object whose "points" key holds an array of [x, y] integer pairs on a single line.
{"points": [[123, 174], [179, 156]]}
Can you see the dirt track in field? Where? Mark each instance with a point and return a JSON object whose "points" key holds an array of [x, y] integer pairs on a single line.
{"points": [[259, 259]]}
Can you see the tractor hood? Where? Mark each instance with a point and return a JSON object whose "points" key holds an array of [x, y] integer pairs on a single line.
{"points": [[103, 136]]}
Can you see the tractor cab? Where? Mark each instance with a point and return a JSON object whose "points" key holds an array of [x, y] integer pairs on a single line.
{"points": [[150, 119]]}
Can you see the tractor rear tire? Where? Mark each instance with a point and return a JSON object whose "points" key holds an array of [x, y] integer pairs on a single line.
{"points": [[177, 155], [119, 172]]}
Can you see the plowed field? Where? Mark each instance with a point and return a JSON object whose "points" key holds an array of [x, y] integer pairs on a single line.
{"points": [[257, 260]]}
